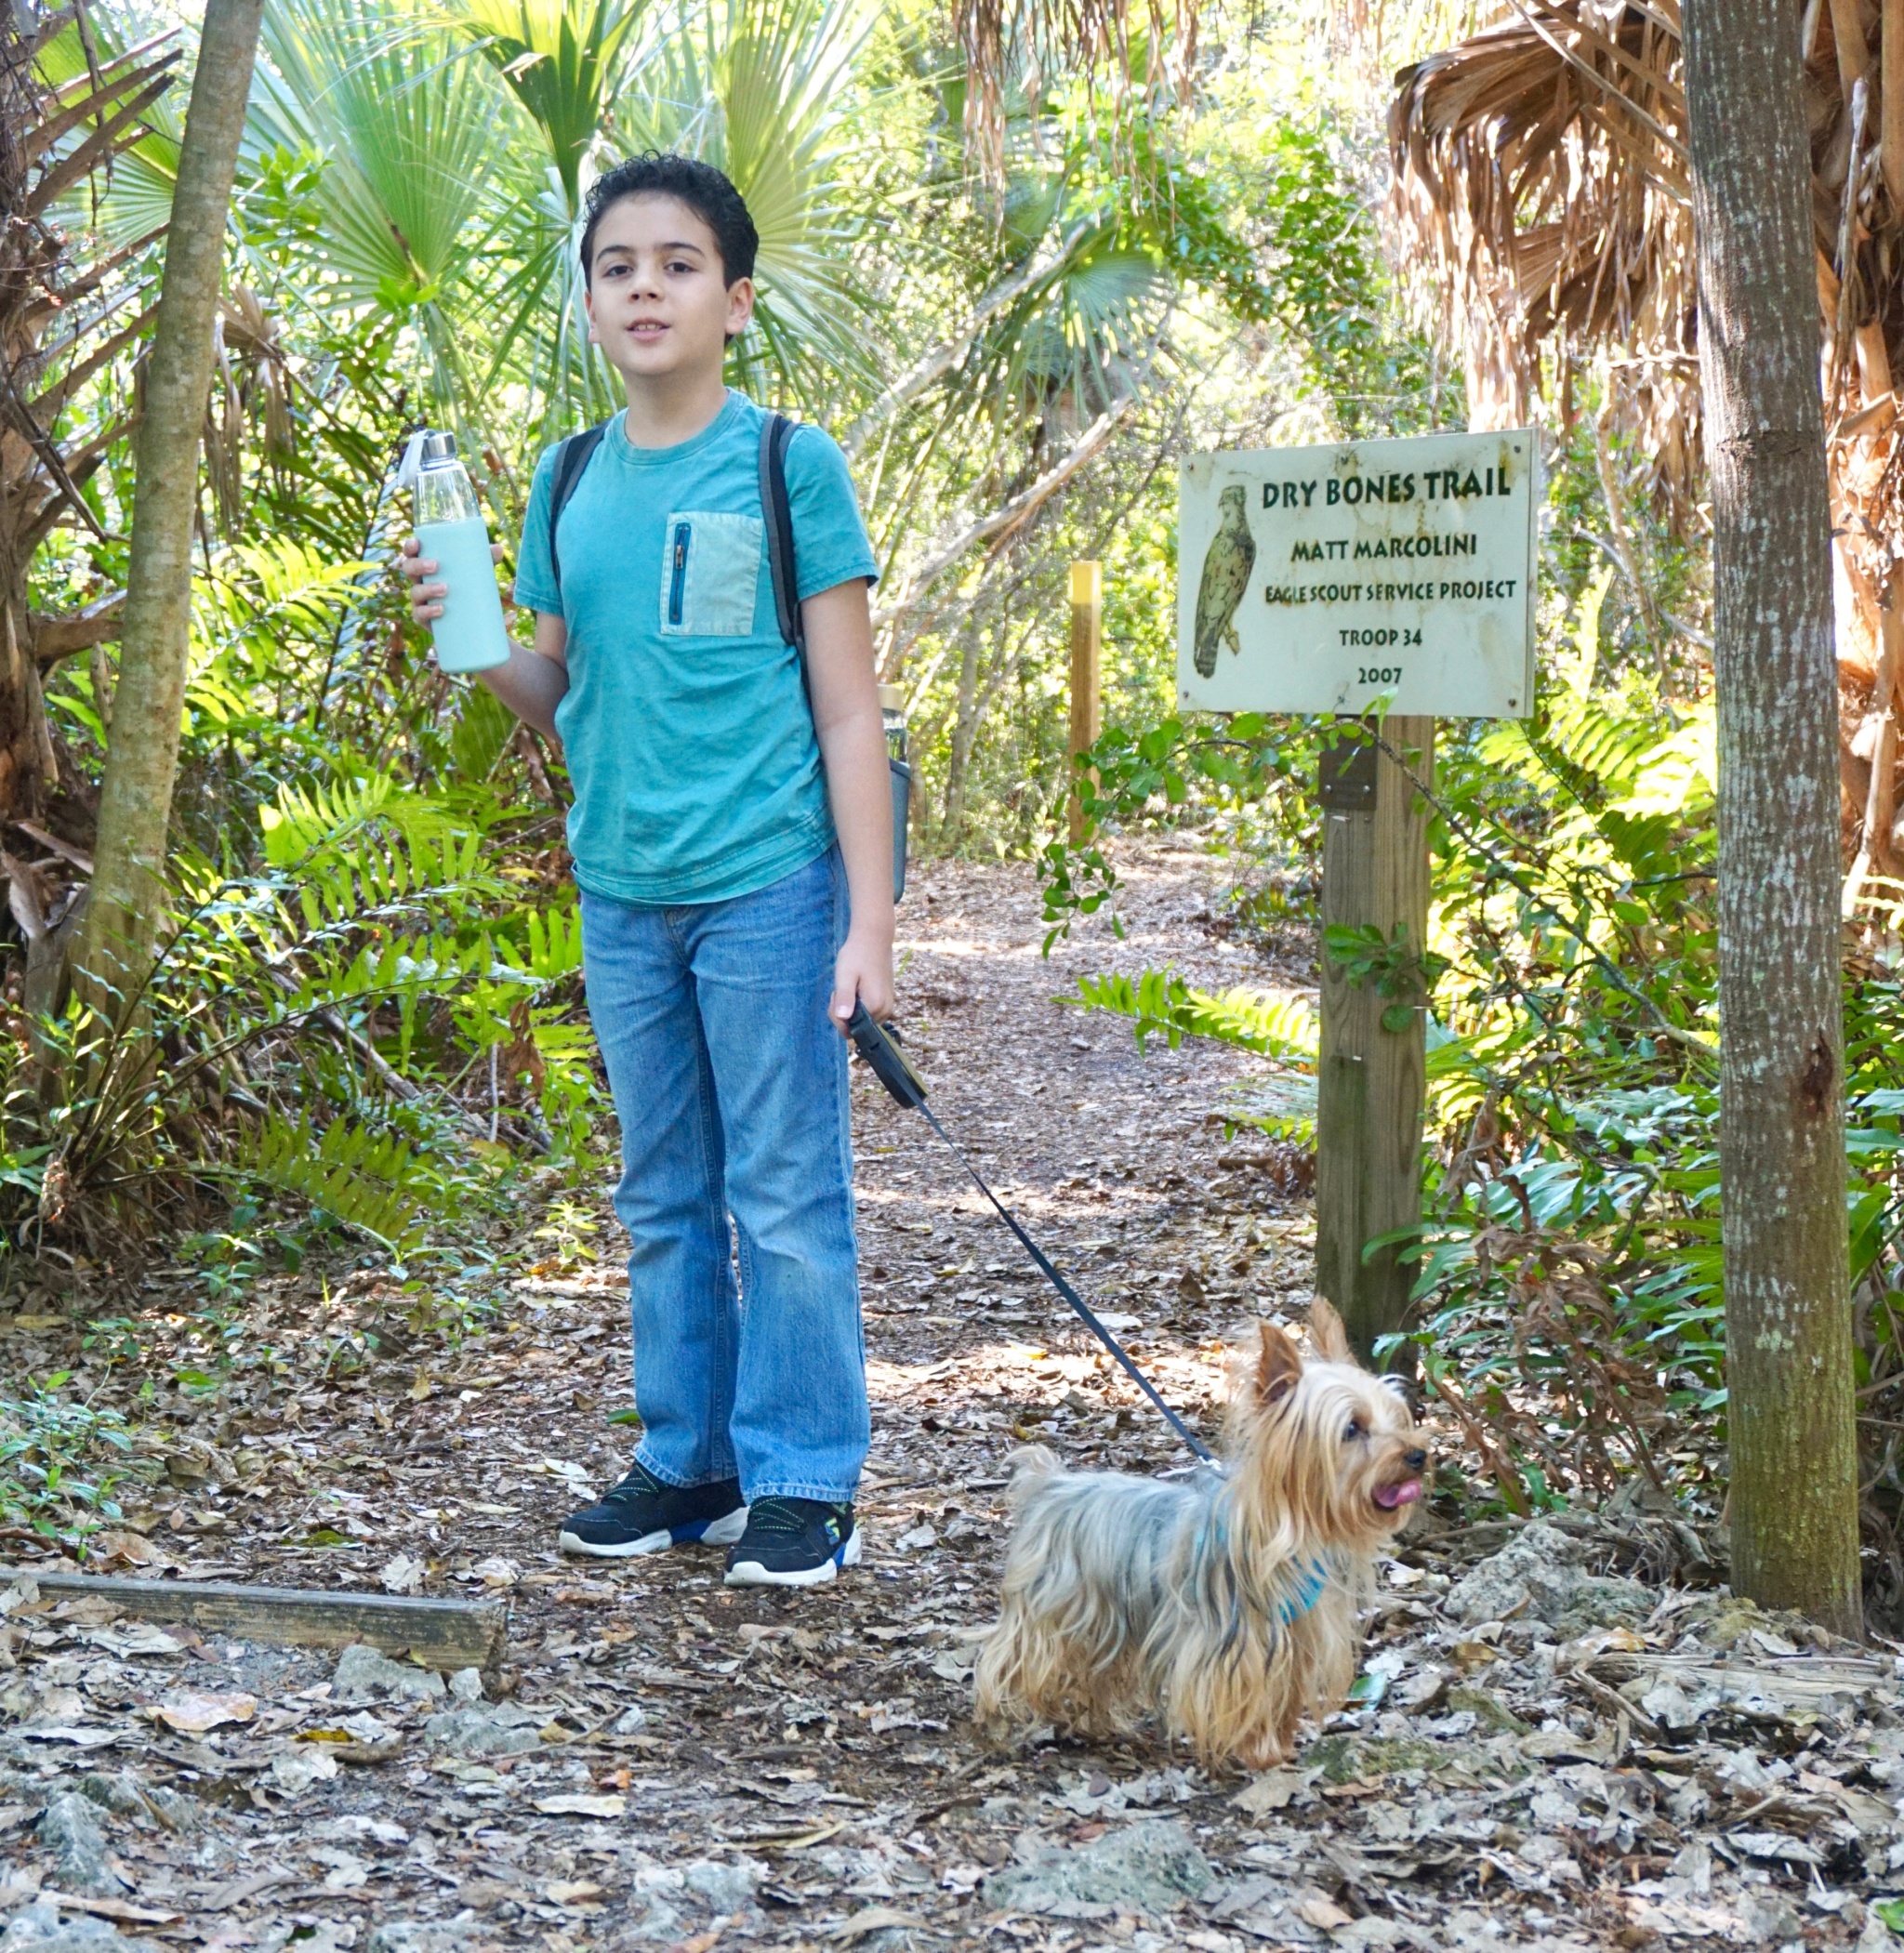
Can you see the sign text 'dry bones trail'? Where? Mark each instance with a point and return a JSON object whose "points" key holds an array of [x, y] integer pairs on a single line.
{"points": [[1322, 579]]}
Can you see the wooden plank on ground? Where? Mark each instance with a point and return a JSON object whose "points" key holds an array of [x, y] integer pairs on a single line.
{"points": [[443, 1634]]}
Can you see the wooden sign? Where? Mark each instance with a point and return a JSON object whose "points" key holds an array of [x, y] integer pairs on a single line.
{"points": [[1327, 579]]}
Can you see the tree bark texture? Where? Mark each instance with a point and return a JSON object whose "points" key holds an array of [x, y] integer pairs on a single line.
{"points": [[142, 757], [1787, 1332]]}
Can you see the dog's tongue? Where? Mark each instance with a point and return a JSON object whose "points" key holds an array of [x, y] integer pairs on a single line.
{"points": [[1404, 1494]]}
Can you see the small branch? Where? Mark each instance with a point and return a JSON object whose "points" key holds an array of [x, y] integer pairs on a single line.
{"points": [[1020, 508], [941, 359], [54, 638]]}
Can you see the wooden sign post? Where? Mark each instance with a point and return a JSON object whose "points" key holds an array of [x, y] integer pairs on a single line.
{"points": [[1087, 680], [1371, 1082], [1390, 581]]}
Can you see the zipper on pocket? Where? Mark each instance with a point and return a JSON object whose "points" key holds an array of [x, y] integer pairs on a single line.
{"points": [[677, 578]]}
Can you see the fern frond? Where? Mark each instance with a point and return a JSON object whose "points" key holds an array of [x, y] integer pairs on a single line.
{"points": [[368, 1181], [1159, 1001]]}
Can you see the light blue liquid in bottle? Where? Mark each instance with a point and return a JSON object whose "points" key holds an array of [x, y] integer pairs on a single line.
{"points": [[470, 634]]}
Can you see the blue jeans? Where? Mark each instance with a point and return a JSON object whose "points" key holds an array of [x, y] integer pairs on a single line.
{"points": [[730, 1083]]}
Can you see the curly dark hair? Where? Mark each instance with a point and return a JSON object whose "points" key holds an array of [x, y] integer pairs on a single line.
{"points": [[688, 180]]}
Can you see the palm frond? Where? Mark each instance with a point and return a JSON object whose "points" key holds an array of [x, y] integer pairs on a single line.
{"points": [[406, 131], [564, 61], [1142, 51], [135, 198], [1540, 186]]}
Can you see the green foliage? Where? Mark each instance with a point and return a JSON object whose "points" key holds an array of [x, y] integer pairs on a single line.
{"points": [[61, 1461], [1128, 778], [1403, 975], [1331, 288], [1285, 1029], [368, 1180], [1160, 1002]]}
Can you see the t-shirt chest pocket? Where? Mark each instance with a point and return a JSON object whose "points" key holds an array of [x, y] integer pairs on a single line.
{"points": [[710, 572]]}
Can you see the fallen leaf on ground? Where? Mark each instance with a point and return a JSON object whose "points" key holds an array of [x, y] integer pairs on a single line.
{"points": [[577, 1804], [115, 1547], [875, 1919], [402, 1574], [191, 1714], [1270, 1791], [1325, 1913], [110, 1908]]}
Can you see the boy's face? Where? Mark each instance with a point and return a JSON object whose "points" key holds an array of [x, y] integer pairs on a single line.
{"points": [[658, 301]]}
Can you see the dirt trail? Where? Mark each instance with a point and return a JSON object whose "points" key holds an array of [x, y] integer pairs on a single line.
{"points": [[665, 1763]]}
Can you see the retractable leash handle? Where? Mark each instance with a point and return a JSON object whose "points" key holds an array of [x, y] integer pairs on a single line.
{"points": [[877, 1045]]}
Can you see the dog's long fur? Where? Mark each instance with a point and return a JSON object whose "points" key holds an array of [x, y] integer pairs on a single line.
{"points": [[1226, 1607]]}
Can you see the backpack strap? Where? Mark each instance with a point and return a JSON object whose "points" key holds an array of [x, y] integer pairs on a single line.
{"points": [[571, 459], [776, 432]]}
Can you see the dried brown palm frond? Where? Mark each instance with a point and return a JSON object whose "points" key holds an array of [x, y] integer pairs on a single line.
{"points": [[1541, 176], [1145, 49], [251, 384], [1541, 167], [60, 324]]}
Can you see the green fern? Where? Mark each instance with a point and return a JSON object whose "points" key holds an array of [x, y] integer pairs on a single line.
{"points": [[368, 1181], [1284, 1028]]}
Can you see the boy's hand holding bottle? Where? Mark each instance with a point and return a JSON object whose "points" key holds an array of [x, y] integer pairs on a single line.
{"points": [[469, 628]]}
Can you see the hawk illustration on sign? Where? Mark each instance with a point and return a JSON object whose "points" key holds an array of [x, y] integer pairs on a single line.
{"points": [[1227, 566]]}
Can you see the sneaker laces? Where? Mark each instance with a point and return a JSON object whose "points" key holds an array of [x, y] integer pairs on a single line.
{"points": [[776, 1515], [640, 1483]]}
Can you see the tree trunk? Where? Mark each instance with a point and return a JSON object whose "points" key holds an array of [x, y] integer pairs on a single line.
{"points": [[142, 757], [964, 730], [1787, 1332]]}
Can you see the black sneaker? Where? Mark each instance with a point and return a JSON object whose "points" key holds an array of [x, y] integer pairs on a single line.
{"points": [[644, 1514], [793, 1542]]}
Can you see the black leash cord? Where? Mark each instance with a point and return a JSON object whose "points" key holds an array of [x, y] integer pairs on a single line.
{"points": [[1072, 1296], [890, 1066]]}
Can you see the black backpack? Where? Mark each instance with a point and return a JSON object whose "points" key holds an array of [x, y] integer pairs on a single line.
{"points": [[571, 460]]}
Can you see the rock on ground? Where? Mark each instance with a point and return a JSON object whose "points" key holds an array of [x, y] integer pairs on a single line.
{"points": [[360, 1671], [70, 1826], [1153, 1866], [464, 1933], [43, 1928], [1538, 1573]]}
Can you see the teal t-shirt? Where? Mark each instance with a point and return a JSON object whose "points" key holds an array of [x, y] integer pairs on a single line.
{"points": [[686, 726]]}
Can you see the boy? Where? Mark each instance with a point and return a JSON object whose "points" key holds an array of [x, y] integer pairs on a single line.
{"points": [[732, 835]]}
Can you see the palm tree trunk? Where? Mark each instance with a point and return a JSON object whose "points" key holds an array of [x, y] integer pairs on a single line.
{"points": [[1788, 1331], [142, 758]]}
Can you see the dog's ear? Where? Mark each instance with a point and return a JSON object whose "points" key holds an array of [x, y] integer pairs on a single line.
{"points": [[1277, 1367], [1327, 1333]]}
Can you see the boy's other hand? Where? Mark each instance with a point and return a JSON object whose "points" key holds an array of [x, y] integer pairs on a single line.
{"points": [[862, 972], [426, 594]]}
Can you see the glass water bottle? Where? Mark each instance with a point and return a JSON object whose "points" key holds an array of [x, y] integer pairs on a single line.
{"points": [[470, 634]]}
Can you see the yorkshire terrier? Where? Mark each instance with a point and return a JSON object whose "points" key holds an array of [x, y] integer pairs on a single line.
{"points": [[1224, 1604]]}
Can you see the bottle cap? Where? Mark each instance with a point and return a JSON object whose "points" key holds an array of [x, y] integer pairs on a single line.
{"points": [[437, 447]]}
